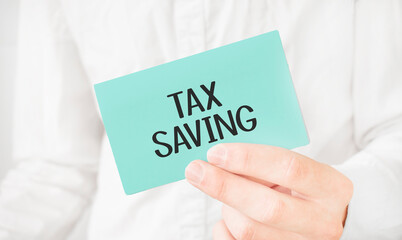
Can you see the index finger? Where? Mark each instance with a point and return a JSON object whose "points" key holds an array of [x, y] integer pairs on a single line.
{"points": [[277, 165]]}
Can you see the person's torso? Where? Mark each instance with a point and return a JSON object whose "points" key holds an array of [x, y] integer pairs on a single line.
{"points": [[122, 37]]}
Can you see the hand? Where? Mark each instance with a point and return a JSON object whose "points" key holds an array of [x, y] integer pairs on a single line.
{"points": [[272, 193]]}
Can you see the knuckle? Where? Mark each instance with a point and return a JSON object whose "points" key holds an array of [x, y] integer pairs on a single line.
{"points": [[333, 231], [273, 212], [345, 189], [243, 157], [245, 231], [348, 189], [294, 168], [221, 188], [217, 229]]}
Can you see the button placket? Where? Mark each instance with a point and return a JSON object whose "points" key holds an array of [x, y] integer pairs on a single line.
{"points": [[190, 27], [190, 30]]}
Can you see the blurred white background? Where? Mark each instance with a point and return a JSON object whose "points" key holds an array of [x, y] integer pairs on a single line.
{"points": [[8, 64], [8, 57]]}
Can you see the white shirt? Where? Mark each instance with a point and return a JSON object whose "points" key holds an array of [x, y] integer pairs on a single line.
{"points": [[345, 59]]}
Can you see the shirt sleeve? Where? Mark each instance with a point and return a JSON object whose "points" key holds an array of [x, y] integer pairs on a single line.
{"points": [[375, 211], [57, 131]]}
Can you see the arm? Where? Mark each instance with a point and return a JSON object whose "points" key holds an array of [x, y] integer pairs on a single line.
{"points": [[276, 193], [375, 211], [57, 131]]}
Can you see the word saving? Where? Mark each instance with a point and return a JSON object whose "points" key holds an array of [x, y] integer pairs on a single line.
{"points": [[181, 138]]}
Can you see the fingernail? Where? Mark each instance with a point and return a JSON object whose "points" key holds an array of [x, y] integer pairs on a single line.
{"points": [[217, 155], [195, 172]]}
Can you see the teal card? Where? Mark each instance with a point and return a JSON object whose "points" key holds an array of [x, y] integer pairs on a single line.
{"points": [[160, 119]]}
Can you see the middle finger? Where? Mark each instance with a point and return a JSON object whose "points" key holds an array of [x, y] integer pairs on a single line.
{"points": [[259, 202]]}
